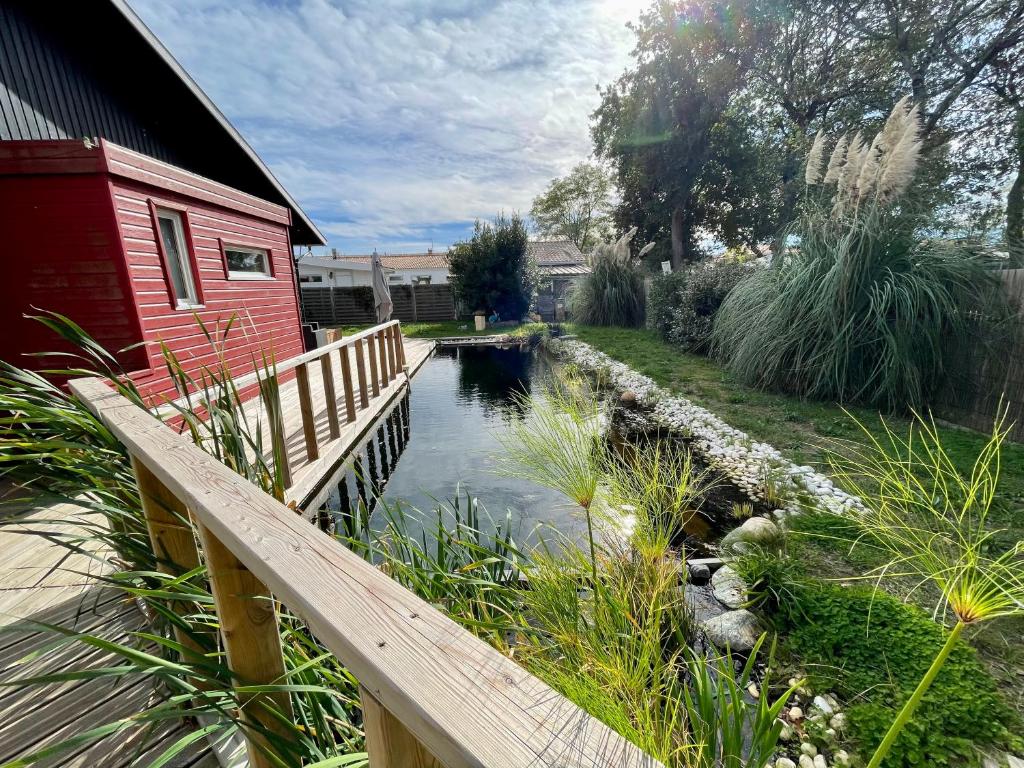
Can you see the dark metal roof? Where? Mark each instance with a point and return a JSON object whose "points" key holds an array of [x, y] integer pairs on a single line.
{"points": [[95, 70]]}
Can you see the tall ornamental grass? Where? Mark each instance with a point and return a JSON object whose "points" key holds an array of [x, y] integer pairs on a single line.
{"points": [[867, 306], [613, 292]]}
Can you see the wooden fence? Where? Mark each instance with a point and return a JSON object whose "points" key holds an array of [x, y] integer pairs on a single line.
{"points": [[354, 306], [432, 693], [989, 379]]}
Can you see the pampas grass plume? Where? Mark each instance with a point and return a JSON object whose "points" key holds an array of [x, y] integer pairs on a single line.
{"points": [[837, 159], [812, 174], [901, 164]]}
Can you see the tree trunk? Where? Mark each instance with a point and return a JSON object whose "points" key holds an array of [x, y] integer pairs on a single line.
{"points": [[1015, 200], [682, 238]]}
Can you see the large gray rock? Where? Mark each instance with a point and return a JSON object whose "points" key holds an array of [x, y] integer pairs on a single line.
{"points": [[729, 588], [757, 531], [737, 630]]}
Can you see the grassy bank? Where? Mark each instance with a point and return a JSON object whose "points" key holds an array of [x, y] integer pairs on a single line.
{"points": [[803, 430]]}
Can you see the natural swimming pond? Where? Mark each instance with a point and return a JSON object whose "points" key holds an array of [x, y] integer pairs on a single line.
{"points": [[445, 438]]}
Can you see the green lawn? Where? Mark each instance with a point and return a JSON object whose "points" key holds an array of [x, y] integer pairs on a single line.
{"points": [[437, 330], [801, 430]]}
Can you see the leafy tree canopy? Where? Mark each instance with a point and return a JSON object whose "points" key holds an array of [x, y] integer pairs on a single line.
{"points": [[575, 207]]}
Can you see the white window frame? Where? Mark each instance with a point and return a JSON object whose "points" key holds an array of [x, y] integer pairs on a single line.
{"points": [[184, 260], [265, 274]]}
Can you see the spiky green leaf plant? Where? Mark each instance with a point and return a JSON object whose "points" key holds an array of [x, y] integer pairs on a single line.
{"points": [[932, 523]]}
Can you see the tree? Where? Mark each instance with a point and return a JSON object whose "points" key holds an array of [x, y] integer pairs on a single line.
{"points": [[491, 272], [656, 123], [575, 207]]}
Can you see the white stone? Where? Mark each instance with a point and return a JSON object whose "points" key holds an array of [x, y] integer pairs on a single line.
{"points": [[808, 749], [826, 704], [806, 761], [795, 714], [841, 758], [819, 762], [838, 721], [784, 762]]}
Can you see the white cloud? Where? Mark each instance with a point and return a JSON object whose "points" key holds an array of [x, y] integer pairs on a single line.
{"points": [[388, 120]]}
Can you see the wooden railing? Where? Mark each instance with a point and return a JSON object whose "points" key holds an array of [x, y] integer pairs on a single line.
{"points": [[378, 355], [432, 693]]}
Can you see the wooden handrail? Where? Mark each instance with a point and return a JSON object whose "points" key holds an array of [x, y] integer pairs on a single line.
{"points": [[383, 342], [427, 681], [247, 380]]}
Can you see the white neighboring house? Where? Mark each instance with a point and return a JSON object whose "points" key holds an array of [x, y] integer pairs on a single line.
{"points": [[334, 271], [409, 268]]}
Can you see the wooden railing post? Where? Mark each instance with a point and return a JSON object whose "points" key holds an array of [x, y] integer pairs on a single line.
{"points": [[306, 410], [374, 378], [392, 356], [364, 401], [327, 371], [389, 743], [400, 337], [252, 642], [383, 355], [346, 381], [173, 540]]}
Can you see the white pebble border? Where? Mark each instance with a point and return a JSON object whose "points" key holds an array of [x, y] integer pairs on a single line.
{"points": [[733, 453]]}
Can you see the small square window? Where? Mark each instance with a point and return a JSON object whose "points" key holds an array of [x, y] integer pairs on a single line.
{"points": [[246, 263]]}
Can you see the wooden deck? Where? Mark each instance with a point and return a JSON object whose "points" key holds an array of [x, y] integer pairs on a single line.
{"points": [[40, 581], [308, 476]]}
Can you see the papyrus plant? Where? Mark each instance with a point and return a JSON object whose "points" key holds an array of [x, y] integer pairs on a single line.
{"points": [[931, 521]]}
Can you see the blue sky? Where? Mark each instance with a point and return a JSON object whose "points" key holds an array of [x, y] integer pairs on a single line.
{"points": [[395, 125]]}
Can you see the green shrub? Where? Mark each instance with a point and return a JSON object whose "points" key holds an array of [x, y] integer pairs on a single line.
{"points": [[491, 272], [873, 649], [682, 306], [613, 292]]}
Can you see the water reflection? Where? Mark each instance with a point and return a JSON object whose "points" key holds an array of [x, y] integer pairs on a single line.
{"points": [[493, 375], [444, 436]]}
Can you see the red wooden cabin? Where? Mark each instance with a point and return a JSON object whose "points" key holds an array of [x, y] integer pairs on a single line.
{"points": [[163, 214]]}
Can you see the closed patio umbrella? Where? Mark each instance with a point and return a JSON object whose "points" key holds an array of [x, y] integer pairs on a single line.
{"points": [[381, 292]]}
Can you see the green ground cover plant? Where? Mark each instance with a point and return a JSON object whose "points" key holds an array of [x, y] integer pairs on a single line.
{"points": [[873, 649]]}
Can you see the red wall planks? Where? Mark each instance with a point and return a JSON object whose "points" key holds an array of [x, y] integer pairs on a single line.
{"points": [[266, 313], [60, 250], [82, 240]]}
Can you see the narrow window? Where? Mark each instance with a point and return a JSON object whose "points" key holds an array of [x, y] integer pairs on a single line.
{"points": [[246, 263], [172, 234]]}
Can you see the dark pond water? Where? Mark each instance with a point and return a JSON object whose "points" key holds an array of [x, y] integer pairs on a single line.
{"points": [[444, 436]]}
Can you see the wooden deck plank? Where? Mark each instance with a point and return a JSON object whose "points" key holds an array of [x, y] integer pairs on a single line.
{"points": [[41, 582]]}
